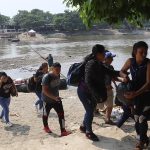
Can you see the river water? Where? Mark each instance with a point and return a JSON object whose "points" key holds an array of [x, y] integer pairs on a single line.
{"points": [[78, 46]]}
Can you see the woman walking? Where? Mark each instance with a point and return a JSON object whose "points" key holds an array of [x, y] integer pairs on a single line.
{"points": [[7, 88]]}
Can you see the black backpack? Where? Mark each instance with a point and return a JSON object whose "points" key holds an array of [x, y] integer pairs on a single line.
{"points": [[75, 74]]}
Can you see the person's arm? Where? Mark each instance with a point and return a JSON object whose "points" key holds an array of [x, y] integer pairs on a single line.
{"points": [[113, 73], [126, 66]]}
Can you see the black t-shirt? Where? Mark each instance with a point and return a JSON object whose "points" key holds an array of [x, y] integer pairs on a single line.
{"points": [[52, 82], [5, 88]]}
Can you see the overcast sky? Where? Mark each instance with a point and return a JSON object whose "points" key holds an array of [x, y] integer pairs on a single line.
{"points": [[11, 7]]}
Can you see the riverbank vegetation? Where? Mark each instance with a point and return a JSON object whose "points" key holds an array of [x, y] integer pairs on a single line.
{"points": [[67, 22]]}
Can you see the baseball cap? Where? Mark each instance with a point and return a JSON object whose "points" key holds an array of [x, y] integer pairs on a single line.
{"points": [[109, 54]]}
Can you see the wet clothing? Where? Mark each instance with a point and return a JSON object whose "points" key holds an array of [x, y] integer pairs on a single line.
{"points": [[141, 102], [58, 107], [52, 82], [5, 89]]}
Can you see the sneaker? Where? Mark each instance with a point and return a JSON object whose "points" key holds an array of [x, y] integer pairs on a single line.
{"points": [[65, 133], [47, 129], [92, 136], [82, 129], [9, 124]]}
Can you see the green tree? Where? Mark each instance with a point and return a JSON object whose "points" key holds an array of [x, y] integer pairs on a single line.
{"points": [[4, 20], [33, 19], [68, 21], [112, 11]]}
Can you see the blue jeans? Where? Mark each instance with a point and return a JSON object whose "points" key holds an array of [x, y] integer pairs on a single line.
{"points": [[4, 102], [85, 99], [39, 101]]}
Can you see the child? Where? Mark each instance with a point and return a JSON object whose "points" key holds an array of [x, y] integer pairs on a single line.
{"points": [[7, 88], [50, 91], [108, 104]]}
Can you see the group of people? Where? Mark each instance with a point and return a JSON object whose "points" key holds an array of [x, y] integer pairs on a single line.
{"points": [[95, 91]]}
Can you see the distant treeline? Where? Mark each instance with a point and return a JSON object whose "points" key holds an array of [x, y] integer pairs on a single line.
{"points": [[45, 22]]}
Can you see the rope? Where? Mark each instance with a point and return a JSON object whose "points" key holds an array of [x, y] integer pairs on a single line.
{"points": [[45, 59]]}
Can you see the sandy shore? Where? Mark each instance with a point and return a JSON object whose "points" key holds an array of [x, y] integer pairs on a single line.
{"points": [[27, 132]]}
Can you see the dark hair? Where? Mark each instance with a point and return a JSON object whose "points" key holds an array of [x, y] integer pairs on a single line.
{"points": [[43, 65], [95, 50], [98, 49], [3, 74], [56, 64], [139, 45]]}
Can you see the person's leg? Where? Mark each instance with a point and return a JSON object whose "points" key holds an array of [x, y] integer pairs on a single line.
{"points": [[39, 101], [46, 110], [126, 114], [109, 107], [88, 118], [5, 106], [2, 112], [89, 108], [58, 107]]}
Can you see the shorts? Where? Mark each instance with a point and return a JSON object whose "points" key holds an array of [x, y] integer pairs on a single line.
{"points": [[108, 102]]}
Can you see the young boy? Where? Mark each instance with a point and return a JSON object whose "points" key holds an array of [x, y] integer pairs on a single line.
{"points": [[108, 105], [51, 99]]}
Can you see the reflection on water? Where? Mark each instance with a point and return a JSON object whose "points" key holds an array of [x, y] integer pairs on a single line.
{"points": [[77, 46]]}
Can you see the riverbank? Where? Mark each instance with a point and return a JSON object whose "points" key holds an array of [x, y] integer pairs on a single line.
{"points": [[27, 132], [63, 37]]}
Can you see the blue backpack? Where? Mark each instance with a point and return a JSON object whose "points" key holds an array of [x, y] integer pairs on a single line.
{"points": [[75, 73]]}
